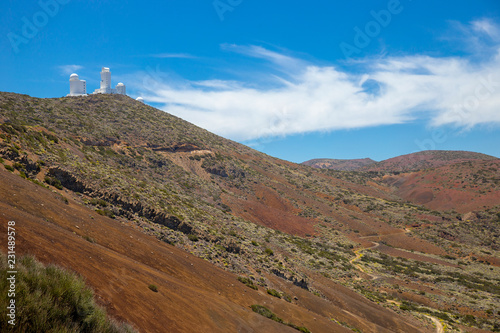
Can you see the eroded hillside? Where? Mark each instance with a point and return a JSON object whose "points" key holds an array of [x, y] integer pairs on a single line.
{"points": [[285, 229]]}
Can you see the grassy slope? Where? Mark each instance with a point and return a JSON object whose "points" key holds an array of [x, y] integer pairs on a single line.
{"points": [[51, 299]]}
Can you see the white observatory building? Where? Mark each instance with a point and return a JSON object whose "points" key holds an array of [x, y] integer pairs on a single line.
{"points": [[77, 87], [106, 84], [140, 99], [120, 89]]}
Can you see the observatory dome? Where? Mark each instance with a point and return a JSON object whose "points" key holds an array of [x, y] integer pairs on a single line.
{"points": [[73, 76], [140, 99], [120, 84]]}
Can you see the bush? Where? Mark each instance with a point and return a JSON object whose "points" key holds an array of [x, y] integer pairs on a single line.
{"points": [[54, 182], [153, 288], [9, 167], [18, 166], [287, 297], [98, 202], [247, 282], [193, 237], [274, 293], [105, 212], [263, 311], [268, 251], [88, 239], [53, 300]]}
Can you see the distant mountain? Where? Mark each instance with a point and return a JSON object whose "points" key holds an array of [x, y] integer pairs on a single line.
{"points": [[464, 187], [411, 162], [426, 160], [338, 164]]}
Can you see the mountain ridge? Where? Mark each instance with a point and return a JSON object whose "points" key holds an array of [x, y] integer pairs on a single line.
{"points": [[403, 163], [339, 164]]}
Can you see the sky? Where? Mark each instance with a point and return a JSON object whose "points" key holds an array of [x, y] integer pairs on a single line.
{"points": [[296, 80]]}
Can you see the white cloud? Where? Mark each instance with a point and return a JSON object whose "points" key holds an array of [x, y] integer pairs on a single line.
{"points": [[69, 69], [488, 27], [478, 37], [281, 60], [309, 97]]}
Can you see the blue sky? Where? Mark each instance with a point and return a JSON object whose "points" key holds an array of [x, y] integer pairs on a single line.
{"points": [[296, 80]]}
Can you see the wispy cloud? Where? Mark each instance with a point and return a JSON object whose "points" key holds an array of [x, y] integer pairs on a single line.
{"points": [[279, 59], [479, 37], [487, 27], [310, 97], [69, 69]]}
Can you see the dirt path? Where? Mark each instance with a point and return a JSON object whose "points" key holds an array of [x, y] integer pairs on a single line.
{"points": [[359, 254], [439, 326]]}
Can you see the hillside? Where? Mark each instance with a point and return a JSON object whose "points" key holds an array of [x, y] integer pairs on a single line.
{"points": [[119, 262], [467, 186], [426, 159], [342, 165], [192, 211]]}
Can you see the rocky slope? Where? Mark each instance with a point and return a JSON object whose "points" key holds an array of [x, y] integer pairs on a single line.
{"points": [[303, 232], [342, 165]]}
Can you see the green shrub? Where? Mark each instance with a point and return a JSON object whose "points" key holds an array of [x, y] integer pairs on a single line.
{"points": [[193, 237], [247, 282], [287, 297], [268, 251], [54, 182], [18, 166], [51, 299], [89, 239], [9, 167], [105, 212], [98, 202], [153, 288], [263, 311], [274, 293]]}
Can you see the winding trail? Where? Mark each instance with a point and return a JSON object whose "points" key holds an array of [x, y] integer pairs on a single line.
{"points": [[359, 255], [439, 326]]}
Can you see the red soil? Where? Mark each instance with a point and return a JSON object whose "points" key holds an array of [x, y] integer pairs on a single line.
{"points": [[194, 295]]}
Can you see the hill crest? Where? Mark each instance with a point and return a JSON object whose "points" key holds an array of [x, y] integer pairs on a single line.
{"points": [[339, 164], [404, 163], [426, 160]]}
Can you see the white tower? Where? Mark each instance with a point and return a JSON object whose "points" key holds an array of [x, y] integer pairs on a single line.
{"points": [[120, 89], [105, 80], [77, 87]]}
